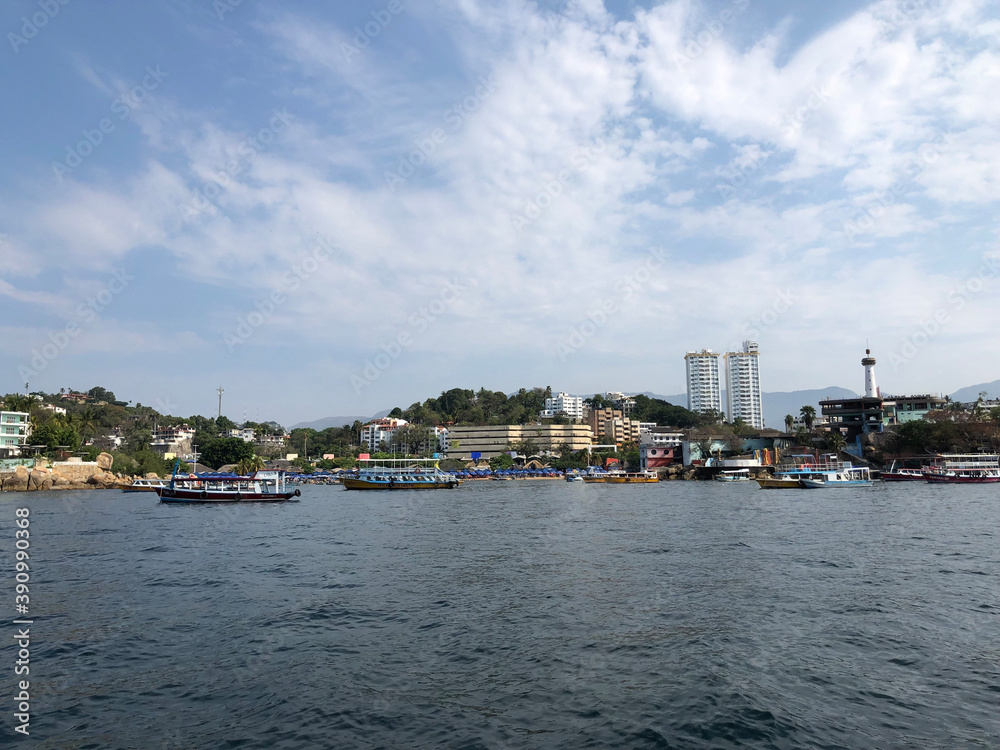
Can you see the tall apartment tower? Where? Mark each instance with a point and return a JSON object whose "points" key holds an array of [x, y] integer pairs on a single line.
{"points": [[703, 381], [743, 386]]}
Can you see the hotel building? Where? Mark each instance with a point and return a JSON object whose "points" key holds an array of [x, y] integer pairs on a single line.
{"points": [[703, 381], [743, 386]]}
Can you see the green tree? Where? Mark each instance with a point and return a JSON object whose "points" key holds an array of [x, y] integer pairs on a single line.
{"points": [[739, 426], [222, 451], [836, 441], [808, 415], [502, 461], [249, 465], [789, 422]]}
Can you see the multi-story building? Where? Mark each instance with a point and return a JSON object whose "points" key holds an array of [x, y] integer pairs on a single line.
{"points": [[625, 404], [175, 440], [571, 406], [704, 389], [492, 440], [15, 429], [276, 441], [378, 431], [743, 386], [611, 426], [246, 434], [898, 410]]}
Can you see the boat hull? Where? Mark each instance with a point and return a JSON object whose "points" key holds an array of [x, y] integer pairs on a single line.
{"points": [[779, 484], [178, 495], [371, 484], [961, 480], [889, 476]]}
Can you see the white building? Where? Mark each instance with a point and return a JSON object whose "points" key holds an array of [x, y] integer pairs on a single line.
{"points": [[743, 386], [703, 381], [246, 434], [15, 429], [374, 433], [571, 406], [175, 440]]}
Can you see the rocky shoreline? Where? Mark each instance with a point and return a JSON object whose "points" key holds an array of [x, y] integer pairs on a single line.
{"points": [[68, 475]]}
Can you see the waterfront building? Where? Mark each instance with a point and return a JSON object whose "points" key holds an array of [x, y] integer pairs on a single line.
{"points": [[743, 397], [492, 440], [15, 429], [570, 406], [897, 410], [703, 381], [662, 437]]}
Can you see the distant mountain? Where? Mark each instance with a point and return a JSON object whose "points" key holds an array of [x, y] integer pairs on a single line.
{"points": [[322, 424], [779, 403], [971, 393]]}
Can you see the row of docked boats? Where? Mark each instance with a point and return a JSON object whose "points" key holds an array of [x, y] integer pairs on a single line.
{"points": [[816, 472], [804, 471], [950, 468]]}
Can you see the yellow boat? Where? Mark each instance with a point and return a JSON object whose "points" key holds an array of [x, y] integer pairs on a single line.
{"points": [[788, 483]]}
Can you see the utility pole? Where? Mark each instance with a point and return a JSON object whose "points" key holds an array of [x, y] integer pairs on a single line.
{"points": [[221, 391]]}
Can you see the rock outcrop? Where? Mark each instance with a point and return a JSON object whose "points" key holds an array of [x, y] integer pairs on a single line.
{"points": [[105, 461]]}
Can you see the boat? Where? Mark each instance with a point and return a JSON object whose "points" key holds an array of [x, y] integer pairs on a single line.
{"points": [[964, 468], [259, 487], [903, 473], [822, 471], [400, 474], [641, 477], [144, 485], [813, 484], [733, 475], [574, 478], [617, 476]]}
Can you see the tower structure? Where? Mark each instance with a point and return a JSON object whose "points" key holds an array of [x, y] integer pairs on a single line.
{"points": [[871, 387], [221, 391], [704, 389], [743, 397]]}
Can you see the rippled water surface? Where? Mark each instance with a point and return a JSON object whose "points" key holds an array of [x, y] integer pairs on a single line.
{"points": [[516, 614]]}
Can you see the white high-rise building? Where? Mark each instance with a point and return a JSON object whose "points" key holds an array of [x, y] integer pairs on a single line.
{"points": [[571, 406], [743, 386], [703, 381]]}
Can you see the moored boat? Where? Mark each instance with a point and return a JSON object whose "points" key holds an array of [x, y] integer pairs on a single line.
{"points": [[965, 468], [823, 471], [259, 487], [144, 485], [733, 475], [401, 474], [903, 474]]}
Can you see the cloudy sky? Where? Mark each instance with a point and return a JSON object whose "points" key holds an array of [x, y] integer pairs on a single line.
{"points": [[335, 208]]}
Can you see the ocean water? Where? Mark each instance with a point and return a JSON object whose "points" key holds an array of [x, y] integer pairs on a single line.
{"points": [[515, 615]]}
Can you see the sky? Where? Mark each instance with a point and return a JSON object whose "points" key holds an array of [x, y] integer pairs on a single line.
{"points": [[336, 208]]}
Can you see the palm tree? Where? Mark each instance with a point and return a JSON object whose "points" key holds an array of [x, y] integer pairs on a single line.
{"points": [[836, 441], [789, 422], [808, 415], [249, 465]]}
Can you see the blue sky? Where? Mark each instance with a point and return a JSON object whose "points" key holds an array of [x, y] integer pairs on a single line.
{"points": [[339, 208]]}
